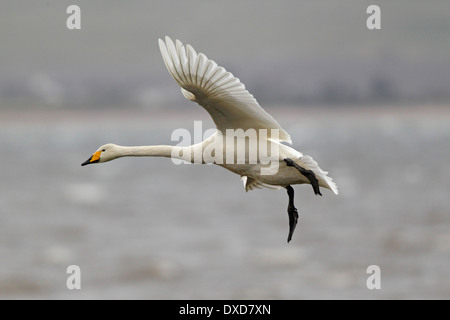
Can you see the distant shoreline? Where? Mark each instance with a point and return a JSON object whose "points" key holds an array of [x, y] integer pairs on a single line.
{"points": [[197, 113]]}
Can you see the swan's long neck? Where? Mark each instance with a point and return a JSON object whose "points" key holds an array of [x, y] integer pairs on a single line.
{"points": [[146, 151], [174, 152]]}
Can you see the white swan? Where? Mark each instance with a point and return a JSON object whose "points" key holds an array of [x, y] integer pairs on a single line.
{"points": [[231, 106]]}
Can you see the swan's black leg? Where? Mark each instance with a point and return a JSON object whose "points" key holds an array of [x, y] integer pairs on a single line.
{"points": [[292, 212], [309, 174]]}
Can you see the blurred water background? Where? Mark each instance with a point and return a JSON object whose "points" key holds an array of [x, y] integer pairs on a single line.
{"points": [[372, 107]]}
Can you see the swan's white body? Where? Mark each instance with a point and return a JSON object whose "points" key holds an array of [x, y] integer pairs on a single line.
{"points": [[231, 106]]}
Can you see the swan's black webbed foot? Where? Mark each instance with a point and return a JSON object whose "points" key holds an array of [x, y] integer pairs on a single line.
{"points": [[309, 174], [292, 212]]}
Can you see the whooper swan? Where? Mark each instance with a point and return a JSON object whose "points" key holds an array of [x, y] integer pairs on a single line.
{"points": [[234, 110]]}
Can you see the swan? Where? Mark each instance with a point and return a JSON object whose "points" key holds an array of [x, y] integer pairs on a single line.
{"points": [[231, 107]]}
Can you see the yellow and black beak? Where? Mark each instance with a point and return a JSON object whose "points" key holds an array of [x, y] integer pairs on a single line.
{"points": [[94, 159]]}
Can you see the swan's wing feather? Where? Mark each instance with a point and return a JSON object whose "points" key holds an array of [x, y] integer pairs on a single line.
{"points": [[251, 183], [324, 179], [225, 98]]}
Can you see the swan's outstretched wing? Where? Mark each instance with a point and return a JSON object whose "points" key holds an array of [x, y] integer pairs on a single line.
{"points": [[225, 98]]}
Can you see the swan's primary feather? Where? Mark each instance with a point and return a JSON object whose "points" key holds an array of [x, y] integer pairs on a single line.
{"points": [[225, 98]]}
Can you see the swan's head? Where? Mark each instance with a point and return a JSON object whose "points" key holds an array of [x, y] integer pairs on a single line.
{"points": [[105, 153]]}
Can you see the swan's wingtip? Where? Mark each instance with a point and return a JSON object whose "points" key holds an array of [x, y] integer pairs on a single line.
{"points": [[161, 43], [168, 40]]}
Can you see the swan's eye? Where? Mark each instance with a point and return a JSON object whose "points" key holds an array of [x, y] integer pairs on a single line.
{"points": [[104, 150]]}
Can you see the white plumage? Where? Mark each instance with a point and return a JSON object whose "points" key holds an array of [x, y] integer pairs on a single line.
{"points": [[231, 106]]}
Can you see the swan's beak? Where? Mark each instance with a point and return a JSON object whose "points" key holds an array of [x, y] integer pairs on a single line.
{"points": [[95, 158]]}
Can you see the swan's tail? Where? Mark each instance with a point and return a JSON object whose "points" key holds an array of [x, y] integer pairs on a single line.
{"points": [[324, 180]]}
